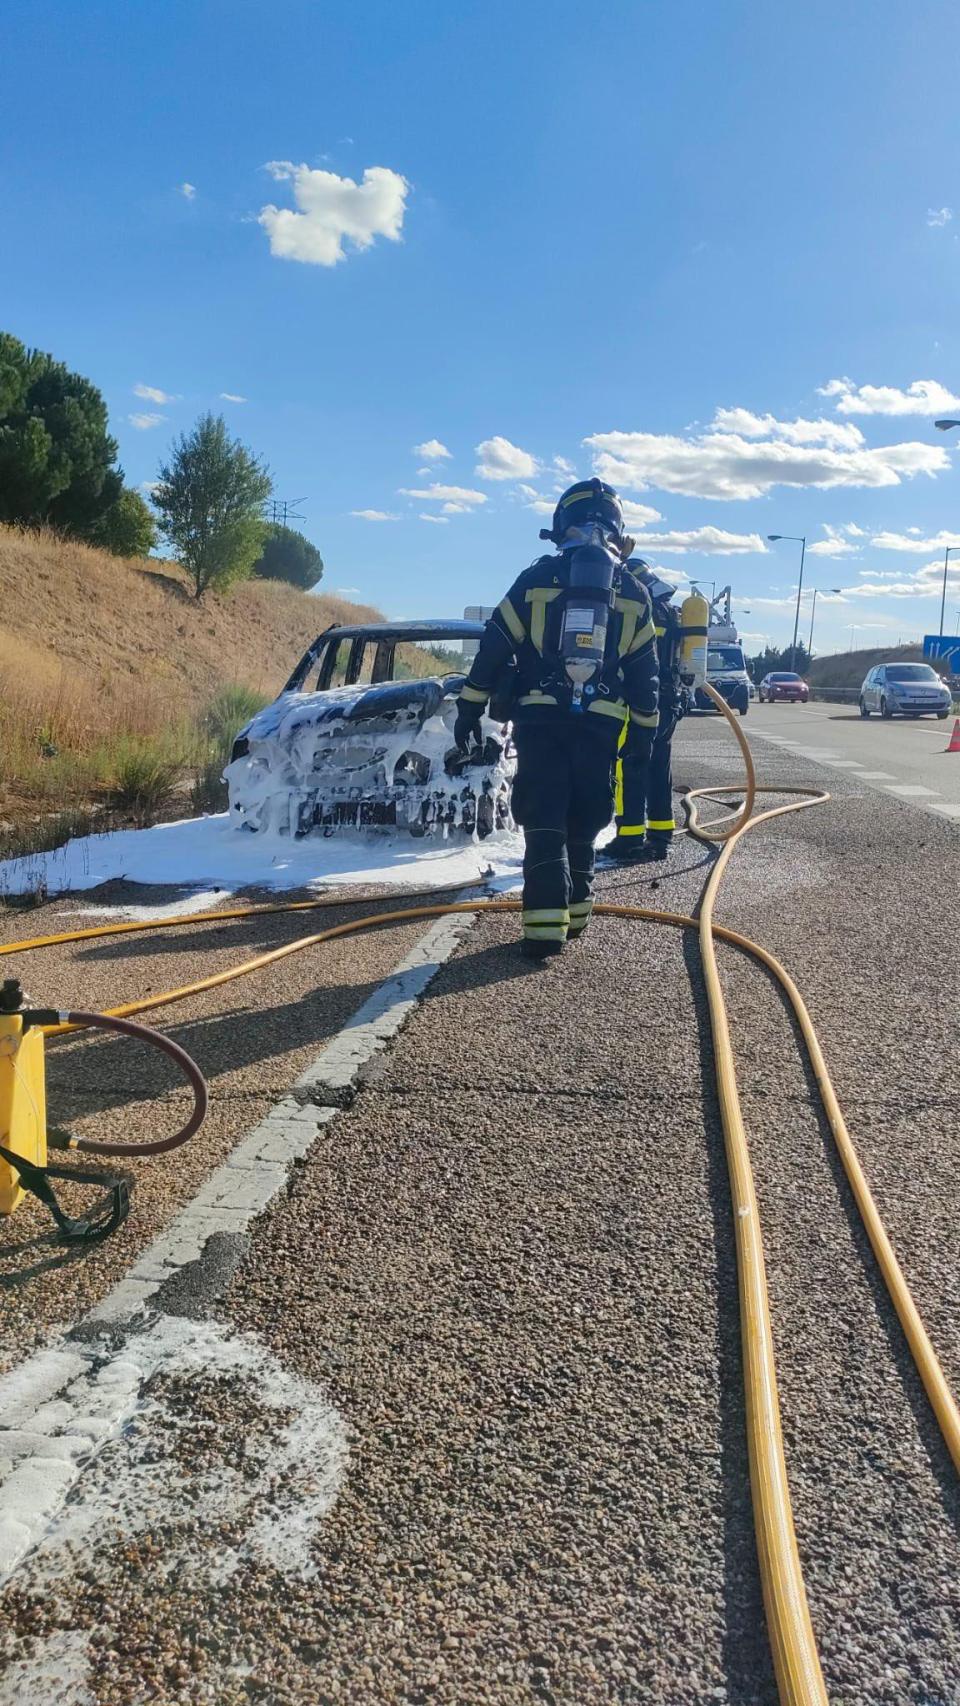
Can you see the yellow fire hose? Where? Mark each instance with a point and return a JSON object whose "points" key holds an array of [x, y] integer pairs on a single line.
{"points": [[797, 1666]]}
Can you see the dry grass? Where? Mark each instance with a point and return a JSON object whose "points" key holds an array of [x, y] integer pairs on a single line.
{"points": [[847, 669], [109, 668]]}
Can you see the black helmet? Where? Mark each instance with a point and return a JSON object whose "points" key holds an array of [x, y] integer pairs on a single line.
{"points": [[657, 588], [588, 500]]}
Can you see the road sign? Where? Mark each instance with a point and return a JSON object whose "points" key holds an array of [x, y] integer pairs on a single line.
{"points": [[943, 646]]}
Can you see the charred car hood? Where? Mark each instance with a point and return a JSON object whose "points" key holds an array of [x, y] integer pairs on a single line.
{"points": [[349, 706]]}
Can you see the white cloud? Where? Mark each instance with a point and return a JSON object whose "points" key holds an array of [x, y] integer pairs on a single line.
{"points": [[143, 423], [675, 577], [188, 191], [232, 397], [528, 491], [563, 466], [542, 506], [939, 215], [839, 541], [912, 540], [925, 582], [153, 395], [501, 460], [789, 603], [444, 494], [374, 515], [148, 487], [923, 397], [639, 515], [344, 591], [431, 450], [440, 520], [331, 211], [821, 432], [727, 465], [711, 540]]}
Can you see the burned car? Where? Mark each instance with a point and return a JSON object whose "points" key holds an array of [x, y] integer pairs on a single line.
{"points": [[348, 744]]}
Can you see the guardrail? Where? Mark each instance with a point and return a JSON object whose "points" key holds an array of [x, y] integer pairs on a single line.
{"points": [[836, 695]]}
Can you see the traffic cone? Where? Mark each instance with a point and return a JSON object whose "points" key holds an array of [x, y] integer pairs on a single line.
{"points": [[954, 738]]}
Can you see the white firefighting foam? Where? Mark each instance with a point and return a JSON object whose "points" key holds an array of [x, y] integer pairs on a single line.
{"points": [[307, 769]]}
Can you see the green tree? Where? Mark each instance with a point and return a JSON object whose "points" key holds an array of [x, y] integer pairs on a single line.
{"points": [[127, 528], [56, 456], [209, 499], [772, 658], [288, 556]]}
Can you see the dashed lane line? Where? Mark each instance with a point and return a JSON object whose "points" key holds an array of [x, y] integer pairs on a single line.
{"points": [[66, 1401], [877, 776], [910, 790], [952, 811]]}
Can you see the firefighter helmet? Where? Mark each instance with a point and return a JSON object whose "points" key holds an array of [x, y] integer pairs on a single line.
{"points": [[589, 501]]}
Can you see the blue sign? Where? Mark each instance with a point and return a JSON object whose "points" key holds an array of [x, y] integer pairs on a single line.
{"points": [[943, 646]]}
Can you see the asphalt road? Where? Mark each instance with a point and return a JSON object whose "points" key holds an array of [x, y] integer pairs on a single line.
{"points": [[508, 1269], [904, 757]]}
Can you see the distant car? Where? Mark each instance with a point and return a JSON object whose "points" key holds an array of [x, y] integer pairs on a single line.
{"points": [[752, 690], [783, 684], [905, 689]]}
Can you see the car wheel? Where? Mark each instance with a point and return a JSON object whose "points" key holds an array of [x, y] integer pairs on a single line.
{"points": [[942, 714], [885, 710], [863, 709]]}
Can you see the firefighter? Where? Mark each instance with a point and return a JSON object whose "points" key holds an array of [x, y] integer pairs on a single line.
{"points": [[576, 628], [644, 794]]}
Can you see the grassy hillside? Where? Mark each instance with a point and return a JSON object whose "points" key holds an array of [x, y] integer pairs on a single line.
{"points": [[847, 669], [118, 690]]}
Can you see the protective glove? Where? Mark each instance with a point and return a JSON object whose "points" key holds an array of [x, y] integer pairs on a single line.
{"points": [[466, 729], [639, 743]]}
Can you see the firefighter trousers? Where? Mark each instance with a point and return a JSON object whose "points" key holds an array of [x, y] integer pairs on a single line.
{"points": [[645, 790], [562, 798]]}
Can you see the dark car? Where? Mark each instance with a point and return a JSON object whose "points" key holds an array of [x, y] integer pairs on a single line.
{"points": [[907, 689], [783, 684]]}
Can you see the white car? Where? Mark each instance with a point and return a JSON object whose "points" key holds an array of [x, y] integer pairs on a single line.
{"points": [[904, 689]]}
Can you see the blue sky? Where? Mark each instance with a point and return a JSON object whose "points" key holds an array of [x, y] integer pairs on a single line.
{"points": [[707, 248]]}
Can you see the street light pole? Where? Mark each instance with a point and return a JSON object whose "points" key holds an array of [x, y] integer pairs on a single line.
{"points": [[814, 612], [945, 426], [943, 600], [801, 540]]}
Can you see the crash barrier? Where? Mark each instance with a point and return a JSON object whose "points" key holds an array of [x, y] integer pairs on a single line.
{"points": [[796, 1662], [836, 695]]}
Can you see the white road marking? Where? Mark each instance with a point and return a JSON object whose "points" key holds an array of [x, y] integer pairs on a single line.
{"points": [[877, 776], [843, 763], [66, 1402], [910, 790], [947, 811]]}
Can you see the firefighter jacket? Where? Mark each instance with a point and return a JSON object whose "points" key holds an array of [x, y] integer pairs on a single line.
{"points": [[525, 630], [669, 632]]}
